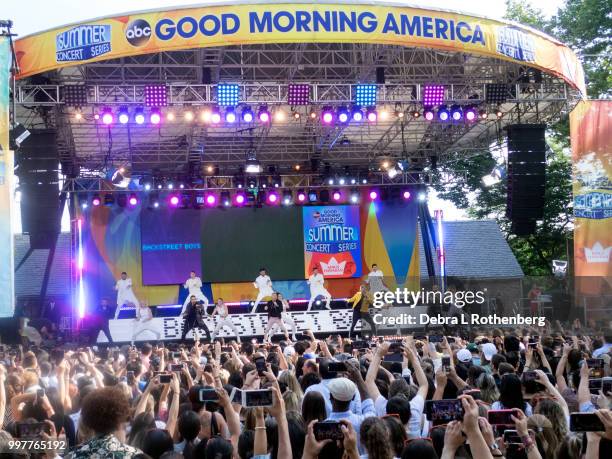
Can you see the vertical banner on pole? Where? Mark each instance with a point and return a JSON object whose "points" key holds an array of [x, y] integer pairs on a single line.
{"points": [[591, 130], [7, 295]]}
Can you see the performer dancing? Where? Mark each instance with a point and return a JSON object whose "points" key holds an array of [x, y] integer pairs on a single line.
{"points": [[286, 317], [103, 313], [224, 319], [125, 294], [375, 280], [194, 285], [143, 319], [194, 318], [362, 300], [274, 308], [264, 284], [317, 288]]}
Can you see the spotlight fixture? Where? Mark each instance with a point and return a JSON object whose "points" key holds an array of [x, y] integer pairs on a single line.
{"points": [[96, 201], [123, 115], [483, 115], [336, 195], [443, 114], [373, 195], [341, 181], [205, 116], [188, 116], [78, 115], [422, 197], [84, 205], [156, 95], [357, 114], [225, 199], [470, 114], [298, 94], [301, 196], [215, 116], [264, 114], [239, 199], [174, 200], [230, 115], [406, 195], [428, 114], [327, 115], [456, 113], [499, 113], [107, 116], [133, 200], [392, 172], [273, 198], [247, 115], [279, 115], [155, 116], [210, 199], [355, 195], [365, 94], [343, 115], [416, 114], [139, 117], [313, 114], [228, 94], [296, 115], [252, 165], [287, 197], [312, 196], [433, 94], [372, 115]]}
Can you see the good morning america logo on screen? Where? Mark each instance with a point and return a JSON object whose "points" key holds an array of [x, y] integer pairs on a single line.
{"points": [[82, 43]]}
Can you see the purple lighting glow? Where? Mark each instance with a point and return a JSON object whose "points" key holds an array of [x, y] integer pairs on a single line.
{"points": [[264, 115], [373, 195], [372, 115], [155, 117], [174, 201], [96, 201], [273, 198], [239, 199], [301, 196], [211, 200], [433, 94], [406, 195], [133, 200], [80, 266], [336, 196], [298, 94], [156, 95], [107, 116]]}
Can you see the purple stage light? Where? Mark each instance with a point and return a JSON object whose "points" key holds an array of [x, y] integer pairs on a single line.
{"points": [[327, 116], [239, 199], [428, 114], [336, 195], [301, 196], [211, 200], [433, 94], [156, 95], [298, 94], [247, 115], [155, 116], [373, 195], [470, 114], [107, 116], [406, 195], [264, 114], [96, 201], [273, 198], [174, 200], [372, 115], [133, 200]]}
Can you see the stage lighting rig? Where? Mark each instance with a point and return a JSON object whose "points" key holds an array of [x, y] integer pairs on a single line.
{"points": [[357, 114], [366, 95], [155, 116], [327, 115], [74, 95], [456, 113], [428, 114], [433, 94], [107, 116], [372, 115], [298, 94], [247, 115], [443, 113], [230, 115], [139, 116], [264, 114], [156, 95], [228, 94], [342, 114]]}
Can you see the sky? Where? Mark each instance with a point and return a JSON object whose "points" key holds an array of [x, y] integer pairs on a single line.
{"points": [[53, 13]]}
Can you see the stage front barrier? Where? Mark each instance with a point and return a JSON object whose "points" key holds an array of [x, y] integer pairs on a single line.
{"points": [[170, 328]]}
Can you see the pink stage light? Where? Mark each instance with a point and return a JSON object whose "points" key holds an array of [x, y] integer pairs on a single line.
{"points": [[373, 195], [155, 117], [301, 197], [406, 195], [211, 200], [174, 201], [273, 198], [107, 117], [239, 199], [336, 196], [96, 201], [133, 201], [372, 115], [80, 266]]}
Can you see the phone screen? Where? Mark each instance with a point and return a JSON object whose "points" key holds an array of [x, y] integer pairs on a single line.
{"points": [[260, 364], [394, 357], [165, 378], [585, 422], [328, 430], [444, 411], [30, 430], [595, 385], [208, 395], [337, 366], [254, 398], [501, 417]]}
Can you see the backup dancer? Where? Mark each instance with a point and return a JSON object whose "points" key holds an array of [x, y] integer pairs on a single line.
{"points": [[263, 283], [286, 317], [194, 285], [224, 319], [125, 294], [317, 288], [144, 317]]}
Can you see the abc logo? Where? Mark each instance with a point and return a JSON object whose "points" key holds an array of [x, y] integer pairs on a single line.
{"points": [[138, 32]]}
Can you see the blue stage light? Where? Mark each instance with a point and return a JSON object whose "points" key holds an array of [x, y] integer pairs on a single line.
{"points": [[247, 115], [228, 94], [343, 115], [443, 114], [456, 113], [365, 95]]}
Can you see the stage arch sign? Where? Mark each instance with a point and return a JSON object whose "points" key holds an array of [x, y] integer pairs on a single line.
{"points": [[305, 22]]}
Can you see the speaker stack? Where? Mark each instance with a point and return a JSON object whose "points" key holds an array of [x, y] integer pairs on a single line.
{"points": [[38, 172], [526, 176]]}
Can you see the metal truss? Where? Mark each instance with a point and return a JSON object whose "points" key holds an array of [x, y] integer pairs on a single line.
{"points": [[181, 149], [416, 178]]}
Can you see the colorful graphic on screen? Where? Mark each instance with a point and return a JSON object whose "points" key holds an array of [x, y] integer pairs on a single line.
{"points": [[331, 241], [170, 245]]}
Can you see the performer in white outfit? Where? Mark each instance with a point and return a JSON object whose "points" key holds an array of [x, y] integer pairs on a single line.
{"points": [[194, 285], [125, 294], [317, 288], [224, 319], [375, 280], [263, 283], [143, 322], [286, 317]]}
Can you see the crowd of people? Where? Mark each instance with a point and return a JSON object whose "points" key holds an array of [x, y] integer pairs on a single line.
{"points": [[419, 396]]}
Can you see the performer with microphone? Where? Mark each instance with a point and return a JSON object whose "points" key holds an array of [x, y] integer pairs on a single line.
{"points": [[194, 285], [194, 318], [125, 294], [224, 319], [317, 288], [264, 284]]}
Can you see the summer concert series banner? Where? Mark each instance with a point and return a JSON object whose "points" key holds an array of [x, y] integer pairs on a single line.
{"points": [[331, 241]]}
